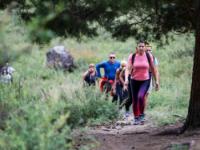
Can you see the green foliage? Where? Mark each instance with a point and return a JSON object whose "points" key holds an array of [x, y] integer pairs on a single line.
{"points": [[13, 38], [88, 106], [38, 33], [179, 147], [138, 18], [36, 126]]}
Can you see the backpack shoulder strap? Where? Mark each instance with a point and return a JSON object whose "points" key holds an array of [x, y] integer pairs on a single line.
{"points": [[151, 64], [120, 69], [133, 58], [148, 58]]}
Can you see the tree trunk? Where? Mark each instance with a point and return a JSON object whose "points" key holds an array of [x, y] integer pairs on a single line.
{"points": [[193, 117]]}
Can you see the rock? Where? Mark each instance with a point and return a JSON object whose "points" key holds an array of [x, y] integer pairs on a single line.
{"points": [[123, 122], [59, 57], [105, 129], [118, 127]]}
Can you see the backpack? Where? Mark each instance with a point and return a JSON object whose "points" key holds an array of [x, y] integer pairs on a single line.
{"points": [[148, 58]]}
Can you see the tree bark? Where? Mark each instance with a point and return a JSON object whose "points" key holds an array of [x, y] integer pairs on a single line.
{"points": [[193, 117]]}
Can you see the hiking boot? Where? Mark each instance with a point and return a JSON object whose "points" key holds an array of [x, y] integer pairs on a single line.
{"points": [[127, 114], [136, 121], [142, 119]]}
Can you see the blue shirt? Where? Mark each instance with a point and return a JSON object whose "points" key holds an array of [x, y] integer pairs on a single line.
{"points": [[109, 69], [155, 61]]}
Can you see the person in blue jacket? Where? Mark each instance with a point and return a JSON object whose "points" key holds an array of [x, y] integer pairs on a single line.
{"points": [[110, 67]]}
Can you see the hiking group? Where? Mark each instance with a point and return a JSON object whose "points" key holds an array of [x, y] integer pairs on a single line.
{"points": [[129, 82]]}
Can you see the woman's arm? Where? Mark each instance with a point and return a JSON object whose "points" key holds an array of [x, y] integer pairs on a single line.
{"points": [[155, 73], [156, 67], [115, 81], [121, 77], [128, 70], [98, 66], [85, 74]]}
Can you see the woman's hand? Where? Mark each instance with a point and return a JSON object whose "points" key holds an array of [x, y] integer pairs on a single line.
{"points": [[114, 90], [157, 86], [125, 87]]}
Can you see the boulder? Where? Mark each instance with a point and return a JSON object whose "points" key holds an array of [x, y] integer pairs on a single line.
{"points": [[59, 57]]}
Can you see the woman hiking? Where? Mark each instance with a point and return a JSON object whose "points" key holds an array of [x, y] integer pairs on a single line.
{"points": [[139, 66], [118, 85]]}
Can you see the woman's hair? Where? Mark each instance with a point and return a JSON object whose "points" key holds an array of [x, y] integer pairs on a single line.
{"points": [[91, 65], [141, 41], [123, 63], [146, 43]]}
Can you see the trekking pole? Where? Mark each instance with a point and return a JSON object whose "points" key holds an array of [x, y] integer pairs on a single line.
{"points": [[131, 88], [124, 102], [130, 97]]}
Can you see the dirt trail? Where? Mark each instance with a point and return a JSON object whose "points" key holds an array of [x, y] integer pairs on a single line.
{"points": [[121, 136]]}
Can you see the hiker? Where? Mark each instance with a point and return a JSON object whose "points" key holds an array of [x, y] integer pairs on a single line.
{"points": [[118, 86], [110, 66], [127, 100], [90, 76], [126, 93], [138, 67], [6, 73], [155, 62]]}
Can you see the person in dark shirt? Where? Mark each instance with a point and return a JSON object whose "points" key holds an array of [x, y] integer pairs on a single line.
{"points": [[90, 76], [118, 85]]}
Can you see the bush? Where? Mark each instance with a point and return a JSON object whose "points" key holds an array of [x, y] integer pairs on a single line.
{"points": [[89, 106], [36, 126]]}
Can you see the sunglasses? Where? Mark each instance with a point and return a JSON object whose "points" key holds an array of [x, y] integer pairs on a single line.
{"points": [[112, 57]]}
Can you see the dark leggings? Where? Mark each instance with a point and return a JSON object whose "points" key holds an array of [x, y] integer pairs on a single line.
{"points": [[138, 91]]}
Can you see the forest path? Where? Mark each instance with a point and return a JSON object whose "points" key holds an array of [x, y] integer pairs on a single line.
{"points": [[125, 136]]}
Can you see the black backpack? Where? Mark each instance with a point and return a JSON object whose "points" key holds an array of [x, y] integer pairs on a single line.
{"points": [[148, 58]]}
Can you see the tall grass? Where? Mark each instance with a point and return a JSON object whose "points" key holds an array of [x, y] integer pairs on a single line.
{"points": [[171, 102]]}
